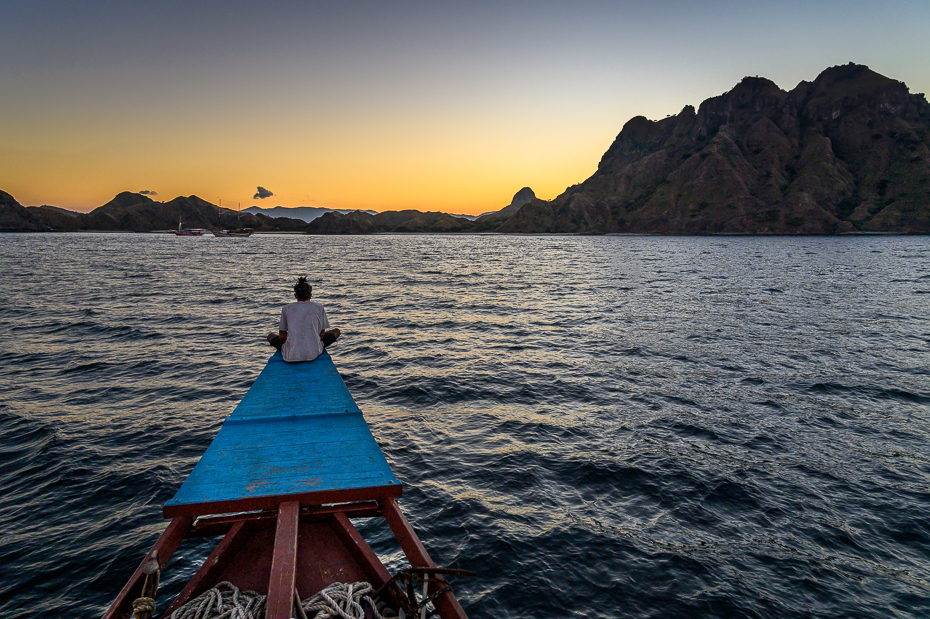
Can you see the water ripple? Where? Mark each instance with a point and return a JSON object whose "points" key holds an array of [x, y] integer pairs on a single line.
{"points": [[599, 426]]}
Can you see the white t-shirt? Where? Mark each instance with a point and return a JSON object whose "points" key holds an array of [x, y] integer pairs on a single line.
{"points": [[303, 322]]}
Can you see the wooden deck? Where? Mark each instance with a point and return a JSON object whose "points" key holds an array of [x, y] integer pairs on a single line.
{"points": [[297, 435]]}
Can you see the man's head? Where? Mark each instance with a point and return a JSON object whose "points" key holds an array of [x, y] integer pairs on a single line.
{"points": [[302, 289]]}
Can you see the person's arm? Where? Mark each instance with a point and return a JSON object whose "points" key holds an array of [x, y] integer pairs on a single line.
{"points": [[282, 326], [325, 323]]}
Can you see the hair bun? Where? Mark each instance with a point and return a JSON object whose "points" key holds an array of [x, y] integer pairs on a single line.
{"points": [[302, 288]]}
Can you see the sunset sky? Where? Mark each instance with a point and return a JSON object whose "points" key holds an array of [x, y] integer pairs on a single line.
{"points": [[387, 105]]}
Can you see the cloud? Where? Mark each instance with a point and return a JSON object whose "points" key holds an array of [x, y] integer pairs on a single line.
{"points": [[148, 192], [262, 193]]}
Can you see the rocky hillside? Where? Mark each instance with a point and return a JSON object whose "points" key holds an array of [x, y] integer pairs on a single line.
{"points": [[492, 221], [15, 217], [305, 213], [847, 152], [359, 222], [138, 213], [135, 212]]}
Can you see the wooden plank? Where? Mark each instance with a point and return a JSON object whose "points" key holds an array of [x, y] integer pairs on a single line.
{"points": [[353, 452], [261, 481], [328, 425], [281, 470], [355, 443], [365, 509], [356, 439], [284, 563], [275, 489], [280, 385], [209, 526], [174, 534], [296, 435], [272, 501], [205, 576], [268, 485], [446, 603], [327, 429], [409, 542], [360, 550], [295, 414], [288, 446]]}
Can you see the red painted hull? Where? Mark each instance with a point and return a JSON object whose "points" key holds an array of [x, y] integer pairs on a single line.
{"points": [[293, 548]]}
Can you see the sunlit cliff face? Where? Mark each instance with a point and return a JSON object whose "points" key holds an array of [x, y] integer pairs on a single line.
{"points": [[366, 105]]}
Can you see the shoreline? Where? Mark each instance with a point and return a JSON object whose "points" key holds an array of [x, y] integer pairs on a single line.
{"points": [[504, 234]]}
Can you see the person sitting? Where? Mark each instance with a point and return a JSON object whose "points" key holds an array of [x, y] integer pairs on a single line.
{"points": [[302, 334]]}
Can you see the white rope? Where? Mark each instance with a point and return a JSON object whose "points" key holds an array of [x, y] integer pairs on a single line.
{"points": [[339, 600], [344, 601]]}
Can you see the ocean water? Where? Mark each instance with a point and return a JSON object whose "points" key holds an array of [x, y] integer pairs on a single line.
{"points": [[627, 427]]}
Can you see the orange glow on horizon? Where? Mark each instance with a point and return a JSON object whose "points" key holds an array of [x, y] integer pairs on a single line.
{"points": [[470, 176]]}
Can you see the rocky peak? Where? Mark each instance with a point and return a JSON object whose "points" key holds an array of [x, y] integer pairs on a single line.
{"points": [[843, 88], [7, 200], [15, 217], [125, 199], [750, 97], [638, 135], [522, 197], [193, 202], [848, 151]]}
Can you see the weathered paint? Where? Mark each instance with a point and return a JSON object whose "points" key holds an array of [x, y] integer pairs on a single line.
{"points": [[284, 563], [296, 431]]}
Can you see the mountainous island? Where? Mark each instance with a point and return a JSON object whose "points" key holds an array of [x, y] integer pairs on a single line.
{"points": [[134, 212], [306, 213], [846, 153]]}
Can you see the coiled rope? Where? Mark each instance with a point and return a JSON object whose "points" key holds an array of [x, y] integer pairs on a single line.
{"points": [[339, 600], [143, 605]]}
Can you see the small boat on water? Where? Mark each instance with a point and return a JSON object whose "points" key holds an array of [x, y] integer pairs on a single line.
{"points": [[187, 231], [279, 486], [240, 231], [235, 232]]}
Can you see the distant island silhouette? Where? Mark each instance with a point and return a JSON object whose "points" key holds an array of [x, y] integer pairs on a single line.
{"points": [[846, 153], [306, 213]]}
